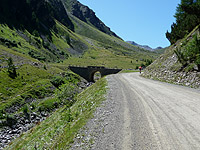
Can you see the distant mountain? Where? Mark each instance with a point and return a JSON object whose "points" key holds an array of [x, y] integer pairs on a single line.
{"points": [[158, 48], [146, 47]]}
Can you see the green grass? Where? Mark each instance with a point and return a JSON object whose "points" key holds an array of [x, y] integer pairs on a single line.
{"points": [[103, 57], [47, 104], [59, 130], [23, 46], [31, 82]]}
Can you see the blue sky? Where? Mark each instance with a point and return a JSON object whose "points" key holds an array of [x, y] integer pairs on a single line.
{"points": [[142, 21]]}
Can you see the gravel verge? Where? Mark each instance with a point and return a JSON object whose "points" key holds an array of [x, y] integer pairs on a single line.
{"points": [[99, 129]]}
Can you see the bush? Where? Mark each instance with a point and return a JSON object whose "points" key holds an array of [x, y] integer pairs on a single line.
{"points": [[11, 69], [36, 55], [190, 53], [57, 81], [36, 33], [25, 109], [48, 105], [71, 77], [66, 93], [2, 114], [68, 39], [10, 120], [148, 62]]}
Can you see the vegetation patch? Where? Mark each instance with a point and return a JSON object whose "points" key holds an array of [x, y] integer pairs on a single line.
{"points": [[189, 54], [58, 130]]}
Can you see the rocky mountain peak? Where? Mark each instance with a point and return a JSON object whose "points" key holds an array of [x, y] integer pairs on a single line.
{"points": [[87, 15]]}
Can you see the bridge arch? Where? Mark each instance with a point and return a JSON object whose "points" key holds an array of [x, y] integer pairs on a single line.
{"points": [[93, 74]]}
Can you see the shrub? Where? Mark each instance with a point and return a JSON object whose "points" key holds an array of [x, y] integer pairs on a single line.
{"points": [[2, 114], [66, 93], [70, 77], [69, 117], [148, 62], [48, 104], [11, 69], [189, 53], [68, 39], [25, 109], [181, 57], [45, 68], [10, 120], [36, 33], [57, 81]]}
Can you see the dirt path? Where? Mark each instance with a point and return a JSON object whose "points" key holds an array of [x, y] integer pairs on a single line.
{"points": [[142, 114]]}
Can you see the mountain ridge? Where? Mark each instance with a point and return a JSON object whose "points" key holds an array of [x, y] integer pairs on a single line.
{"points": [[146, 47]]}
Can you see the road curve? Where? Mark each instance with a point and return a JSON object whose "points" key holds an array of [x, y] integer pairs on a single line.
{"points": [[142, 114], [156, 115]]}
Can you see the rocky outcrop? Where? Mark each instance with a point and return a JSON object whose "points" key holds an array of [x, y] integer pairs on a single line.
{"points": [[20, 123], [191, 79]]}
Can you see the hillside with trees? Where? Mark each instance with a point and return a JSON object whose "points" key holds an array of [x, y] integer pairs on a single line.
{"points": [[181, 62]]}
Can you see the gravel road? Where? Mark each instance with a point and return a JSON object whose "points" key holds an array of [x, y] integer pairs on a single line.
{"points": [[142, 114]]}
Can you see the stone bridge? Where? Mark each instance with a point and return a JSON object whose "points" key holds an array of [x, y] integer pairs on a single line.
{"points": [[88, 72]]}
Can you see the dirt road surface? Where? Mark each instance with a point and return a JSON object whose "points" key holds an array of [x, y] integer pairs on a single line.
{"points": [[142, 114]]}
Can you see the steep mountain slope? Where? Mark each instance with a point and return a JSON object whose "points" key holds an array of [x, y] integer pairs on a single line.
{"points": [[170, 67], [86, 15]]}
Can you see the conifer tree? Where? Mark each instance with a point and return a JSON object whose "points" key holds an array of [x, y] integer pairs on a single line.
{"points": [[187, 18]]}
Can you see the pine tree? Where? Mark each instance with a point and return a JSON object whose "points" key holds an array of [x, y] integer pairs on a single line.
{"points": [[187, 18]]}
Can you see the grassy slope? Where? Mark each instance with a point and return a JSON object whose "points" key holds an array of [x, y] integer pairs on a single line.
{"points": [[104, 50], [33, 81], [167, 68], [58, 131]]}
